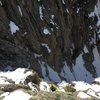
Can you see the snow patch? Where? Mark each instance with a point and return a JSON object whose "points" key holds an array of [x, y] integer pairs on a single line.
{"points": [[49, 74], [78, 10], [20, 10], [90, 89], [63, 84], [3, 80], [41, 12], [0, 3], [52, 16], [93, 93], [18, 76], [81, 85], [44, 86], [13, 27], [96, 61], [99, 36], [51, 21], [25, 33], [63, 1], [43, 69], [85, 49], [46, 45], [97, 80], [66, 73], [67, 10], [80, 72], [53, 75], [4, 94], [95, 88], [37, 55], [96, 12], [33, 88], [18, 95], [46, 31], [83, 95]]}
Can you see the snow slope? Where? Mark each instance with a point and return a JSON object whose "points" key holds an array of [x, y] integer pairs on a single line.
{"points": [[84, 89], [17, 95]]}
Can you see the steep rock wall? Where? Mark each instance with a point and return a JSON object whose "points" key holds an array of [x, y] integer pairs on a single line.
{"points": [[42, 33]]}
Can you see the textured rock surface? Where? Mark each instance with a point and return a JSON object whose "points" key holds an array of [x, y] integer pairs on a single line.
{"points": [[53, 96], [50, 31]]}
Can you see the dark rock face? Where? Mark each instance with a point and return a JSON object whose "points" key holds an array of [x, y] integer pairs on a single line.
{"points": [[52, 31]]}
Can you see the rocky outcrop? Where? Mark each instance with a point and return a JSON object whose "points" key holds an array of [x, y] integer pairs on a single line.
{"points": [[50, 31], [53, 96]]}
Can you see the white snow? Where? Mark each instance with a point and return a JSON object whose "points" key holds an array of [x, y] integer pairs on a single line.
{"points": [[20, 10], [67, 10], [18, 76], [33, 88], [80, 72], [52, 16], [46, 45], [93, 40], [85, 49], [18, 95], [41, 12], [97, 80], [81, 85], [3, 80], [95, 87], [53, 75], [63, 84], [96, 61], [43, 70], [99, 36], [44, 86], [25, 33], [0, 3], [66, 73], [85, 90], [90, 27], [51, 21], [63, 1], [89, 89], [37, 55], [96, 12], [78, 10], [49, 74], [93, 93], [4, 94], [83, 95], [13, 27], [46, 31]]}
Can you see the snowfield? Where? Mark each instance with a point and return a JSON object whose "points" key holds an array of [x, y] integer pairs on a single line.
{"points": [[17, 76], [85, 90], [17, 95]]}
